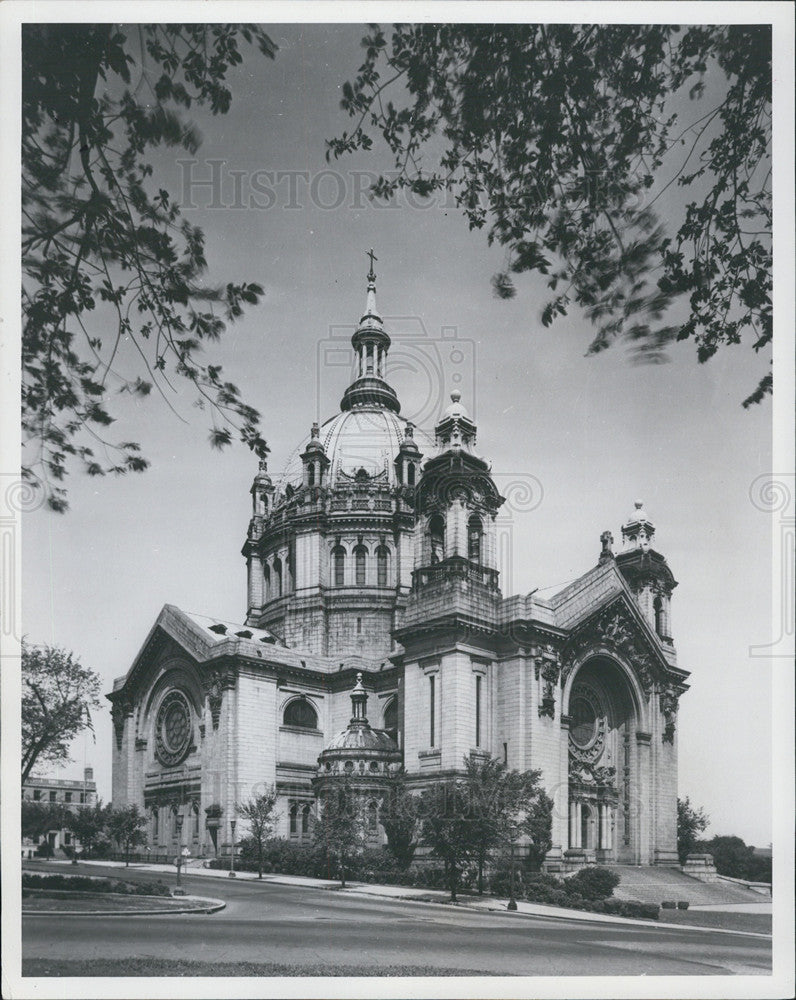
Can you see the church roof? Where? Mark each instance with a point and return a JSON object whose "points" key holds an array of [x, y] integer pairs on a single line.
{"points": [[365, 437]]}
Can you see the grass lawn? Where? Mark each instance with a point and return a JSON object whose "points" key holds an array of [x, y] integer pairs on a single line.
{"points": [[86, 902], [760, 923], [164, 967]]}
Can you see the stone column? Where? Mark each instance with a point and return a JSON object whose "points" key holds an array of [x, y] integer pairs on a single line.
{"points": [[573, 815], [578, 824]]}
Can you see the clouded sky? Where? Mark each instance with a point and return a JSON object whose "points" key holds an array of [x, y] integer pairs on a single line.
{"points": [[586, 436]]}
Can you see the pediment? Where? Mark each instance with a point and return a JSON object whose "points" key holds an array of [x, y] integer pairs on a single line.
{"points": [[618, 626]]}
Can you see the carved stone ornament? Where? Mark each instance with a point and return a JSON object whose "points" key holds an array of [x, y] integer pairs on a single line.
{"points": [[214, 685], [550, 672], [613, 628], [588, 774], [120, 709], [668, 703]]}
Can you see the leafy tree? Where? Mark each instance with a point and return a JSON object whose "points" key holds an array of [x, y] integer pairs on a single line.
{"points": [[398, 816], [90, 825], [58, 695], [259, 813], [554, 137], [447, 827], [38, 818], [733, 857], [690, 823], [339, 831], [101, 234], [504, 806], [126, 825], [538, 827]]}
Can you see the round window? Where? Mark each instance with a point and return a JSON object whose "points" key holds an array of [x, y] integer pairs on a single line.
{"points": [[583, 728], [173, 729]]}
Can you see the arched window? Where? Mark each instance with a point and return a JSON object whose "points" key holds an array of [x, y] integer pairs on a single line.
{"points": [[305, 820], [290, 567], [436, 531], [195, 816], [373, 818], [338, 564], [360, 555], [475, 531], [301, 714], [267, 574], [311, 474], [294, 820], [391, 719], [277, 577], [660, 617], [155, 824], [410, 474], [382, 566]]}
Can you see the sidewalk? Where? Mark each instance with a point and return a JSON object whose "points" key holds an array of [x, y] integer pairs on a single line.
{"points": [[408, 893]]}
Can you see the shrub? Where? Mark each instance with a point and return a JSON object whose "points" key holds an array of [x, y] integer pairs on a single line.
{"points": [[669, 904], [593, 883], [645, 911], [682, 904], [82, 883]]}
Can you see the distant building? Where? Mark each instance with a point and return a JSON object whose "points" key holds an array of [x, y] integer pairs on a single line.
{"points": [[367, 558], [73, 794]]}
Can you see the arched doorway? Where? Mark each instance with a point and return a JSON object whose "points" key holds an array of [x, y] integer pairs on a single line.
{"points": [[603, 774]]}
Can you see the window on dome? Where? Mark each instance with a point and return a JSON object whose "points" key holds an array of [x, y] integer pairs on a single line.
{"points": [[382, 565], [475, 531], [436, 532], [338, 563], [360, 555], [277, 577], [373, 818], [301, 714]]}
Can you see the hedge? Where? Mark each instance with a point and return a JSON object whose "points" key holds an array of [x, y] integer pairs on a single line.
{"points": [[82, 883]]}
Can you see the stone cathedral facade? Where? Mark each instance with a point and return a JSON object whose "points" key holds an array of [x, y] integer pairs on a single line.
{"points": [[376, 634]]}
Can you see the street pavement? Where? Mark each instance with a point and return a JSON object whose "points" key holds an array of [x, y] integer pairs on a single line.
{"points": [[302, 925]]}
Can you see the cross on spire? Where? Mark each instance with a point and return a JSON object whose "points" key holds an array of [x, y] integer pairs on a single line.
{"points": [[373, 259]]}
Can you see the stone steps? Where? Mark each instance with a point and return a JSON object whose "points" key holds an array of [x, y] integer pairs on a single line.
{"points": [[654, 885]]}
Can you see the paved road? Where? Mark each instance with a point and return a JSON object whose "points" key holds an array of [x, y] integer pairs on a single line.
{"points": [[289, 924]]}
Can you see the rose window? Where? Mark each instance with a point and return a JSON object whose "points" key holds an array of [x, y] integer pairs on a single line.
{"points": [[173, 729], [587, 725], [584, 723]]}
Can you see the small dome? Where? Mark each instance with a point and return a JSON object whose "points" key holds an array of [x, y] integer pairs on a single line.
{"points": [[363, 738]]}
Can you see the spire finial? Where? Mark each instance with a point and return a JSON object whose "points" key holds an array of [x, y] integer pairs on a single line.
{"points": [[371, 272]]}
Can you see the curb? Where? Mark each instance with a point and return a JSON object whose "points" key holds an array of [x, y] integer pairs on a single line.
{"points": [[365, 888], [212, 906]]}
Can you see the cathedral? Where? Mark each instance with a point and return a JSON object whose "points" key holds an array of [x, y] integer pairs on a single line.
{"points": [[376, 636]]}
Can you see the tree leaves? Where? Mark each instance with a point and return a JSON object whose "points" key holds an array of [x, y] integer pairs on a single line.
{"points": [[552, 136], [58, 695], [98, 235]]}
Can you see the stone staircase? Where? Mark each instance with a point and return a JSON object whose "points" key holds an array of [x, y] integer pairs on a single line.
{"points": [[654, 885]]}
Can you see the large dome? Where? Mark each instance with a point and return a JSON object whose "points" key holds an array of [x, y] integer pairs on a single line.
{"points": [[365, 437]]}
